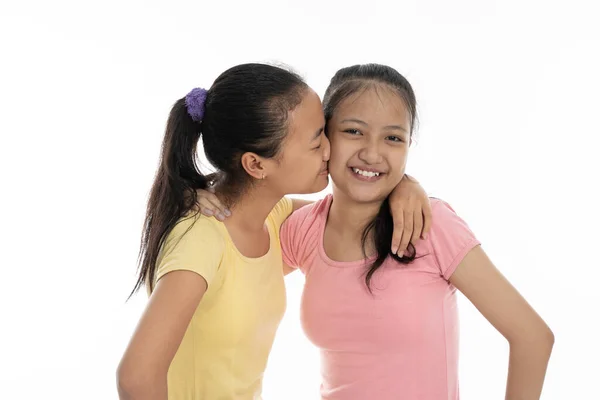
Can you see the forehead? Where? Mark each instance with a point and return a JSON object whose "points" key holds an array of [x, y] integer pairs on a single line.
{"points": [[306, 118], [374, 103]]}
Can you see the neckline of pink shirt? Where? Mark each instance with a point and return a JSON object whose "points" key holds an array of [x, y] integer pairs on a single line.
{"points": [[321, 247]]}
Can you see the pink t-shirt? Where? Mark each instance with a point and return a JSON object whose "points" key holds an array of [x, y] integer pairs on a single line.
{"points": [[401, 342]]}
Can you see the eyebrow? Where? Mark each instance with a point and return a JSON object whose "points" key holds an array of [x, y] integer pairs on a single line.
{"points": [[358, 121]]}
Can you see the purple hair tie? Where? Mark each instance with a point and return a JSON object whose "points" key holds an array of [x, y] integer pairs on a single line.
{"points": [[194, 101]]}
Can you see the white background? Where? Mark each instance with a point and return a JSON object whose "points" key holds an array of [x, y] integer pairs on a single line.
{"points": [[509, 105]]}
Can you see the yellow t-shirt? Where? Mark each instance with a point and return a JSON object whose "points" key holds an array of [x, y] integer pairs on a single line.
{"points": [[224, 352]]}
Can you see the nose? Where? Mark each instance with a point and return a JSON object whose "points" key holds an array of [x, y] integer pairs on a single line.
{"points": [[326, 148], [370, 153]]}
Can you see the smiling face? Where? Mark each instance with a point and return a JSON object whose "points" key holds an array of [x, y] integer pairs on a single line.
{"points": [[370, 138]]}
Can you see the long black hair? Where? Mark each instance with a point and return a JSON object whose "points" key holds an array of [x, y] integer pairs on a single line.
{"points": [[245, 111], [345, 83]]}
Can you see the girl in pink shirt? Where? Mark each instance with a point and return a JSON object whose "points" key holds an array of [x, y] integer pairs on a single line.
{"points": [[387, 324]]}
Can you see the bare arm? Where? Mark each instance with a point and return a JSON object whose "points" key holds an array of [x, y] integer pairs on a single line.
{"points": [[409, 206], [142, 372], [529, 337], [410, 209], [411, 212]]}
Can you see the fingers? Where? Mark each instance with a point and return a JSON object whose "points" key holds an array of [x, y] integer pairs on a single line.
{"points": [[427, 217], [207, 208], [417, 226], [210, 205], [406, 233], [398, 230]]}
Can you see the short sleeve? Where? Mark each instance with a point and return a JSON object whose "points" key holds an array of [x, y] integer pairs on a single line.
{"points": [[299, 233], [280, 212], [450, 236], [195, 244], [289, 245]]}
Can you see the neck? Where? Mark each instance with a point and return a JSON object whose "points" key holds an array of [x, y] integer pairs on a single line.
{"points": [[251, 210], [349, 217]]}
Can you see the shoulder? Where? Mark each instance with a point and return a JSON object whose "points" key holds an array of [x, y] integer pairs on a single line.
{"points": [[310, 215], [439, 205], [196, 229], [300, 232], [281, 211], [195, 244], [443, 214], [450, 237]]}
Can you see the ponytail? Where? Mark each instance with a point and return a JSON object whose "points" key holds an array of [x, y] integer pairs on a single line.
{"points": [[173, 192], [245, 110]]}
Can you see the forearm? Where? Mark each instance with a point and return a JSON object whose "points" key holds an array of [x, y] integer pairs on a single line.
{"points": [[527, 369]]}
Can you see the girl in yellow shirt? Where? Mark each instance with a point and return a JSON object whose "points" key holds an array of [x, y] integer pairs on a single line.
{"points": [[216, 286]]}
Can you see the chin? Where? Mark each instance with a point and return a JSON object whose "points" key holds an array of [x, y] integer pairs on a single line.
{"points": [[322, 184], [366, 196], [319, 185]]}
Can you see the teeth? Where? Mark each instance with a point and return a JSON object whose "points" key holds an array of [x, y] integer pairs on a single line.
{"points": [[365, 173]]}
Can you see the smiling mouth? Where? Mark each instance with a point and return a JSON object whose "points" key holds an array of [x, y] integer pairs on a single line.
{"points": [[366, 174]]}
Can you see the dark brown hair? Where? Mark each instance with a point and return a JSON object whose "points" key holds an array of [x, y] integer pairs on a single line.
{"points": [[246, 110]]}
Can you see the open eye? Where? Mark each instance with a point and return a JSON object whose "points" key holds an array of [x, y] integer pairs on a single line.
{"points": [[352, 131], [395, 139]]}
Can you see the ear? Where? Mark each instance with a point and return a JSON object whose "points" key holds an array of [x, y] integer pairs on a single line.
{"points": [[254, 165]]}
